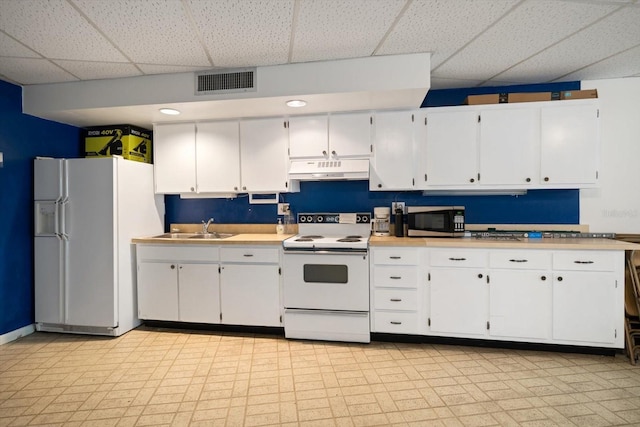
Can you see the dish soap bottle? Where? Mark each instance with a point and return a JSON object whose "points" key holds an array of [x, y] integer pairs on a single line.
{"points": [[279, 227]]}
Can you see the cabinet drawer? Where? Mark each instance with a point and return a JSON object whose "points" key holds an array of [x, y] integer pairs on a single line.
{"points": [[395, 256], [459, 258], [520, 260], [585, 260], [395, 299], [202, 253], [392, 276], [396, 322], [250, 255]]}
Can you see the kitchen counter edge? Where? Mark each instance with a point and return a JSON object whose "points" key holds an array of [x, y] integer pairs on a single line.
{"points": [[466, 242], [238, 239]]}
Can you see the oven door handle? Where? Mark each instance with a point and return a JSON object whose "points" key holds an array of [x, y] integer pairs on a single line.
{"points": [[327, 252]]}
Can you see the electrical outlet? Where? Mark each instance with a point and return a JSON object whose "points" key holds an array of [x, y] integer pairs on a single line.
{"points": [[283, 208], [396, 205]]}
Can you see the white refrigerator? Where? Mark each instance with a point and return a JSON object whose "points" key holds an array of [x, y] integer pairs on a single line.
{"points": [[86, 213]]}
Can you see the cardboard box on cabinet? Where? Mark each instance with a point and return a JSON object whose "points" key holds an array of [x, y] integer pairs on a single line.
{"points": [[503, 98], [131, 142], [579, 94]]}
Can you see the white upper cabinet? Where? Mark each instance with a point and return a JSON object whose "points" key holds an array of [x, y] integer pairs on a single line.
{"points": [[569, 143], [508, 146], [451, 149], [263, 155], [218, 157], [332, 136], [393, 146], [174, 154], [308, 136], [350, 135]]}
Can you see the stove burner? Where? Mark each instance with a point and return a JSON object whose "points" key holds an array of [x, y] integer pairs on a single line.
{"points": [[353, 237], [304, 239], [349, 239], [311, 237]]}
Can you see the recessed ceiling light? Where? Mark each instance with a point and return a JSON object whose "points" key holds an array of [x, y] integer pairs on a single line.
{"points": [[169, 111], [296, 103]]}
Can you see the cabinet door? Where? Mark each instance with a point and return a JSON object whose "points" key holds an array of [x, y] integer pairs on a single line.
{"points": [[263, 155], [218, 157], [569, 143], [393, 151], [174, 158], [308, 136], [584, 307], [250, 295], [350, 135], [458, 301], [451, 154], [199, 293], [509, 146], [520, 304], [158, 291]]}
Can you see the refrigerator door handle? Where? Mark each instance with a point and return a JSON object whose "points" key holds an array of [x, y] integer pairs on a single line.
{"points": [[63, 220], [64, 279]]}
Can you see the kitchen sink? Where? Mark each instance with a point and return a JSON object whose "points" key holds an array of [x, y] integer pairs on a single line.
{"points": [[213, 236], [174, 236]]}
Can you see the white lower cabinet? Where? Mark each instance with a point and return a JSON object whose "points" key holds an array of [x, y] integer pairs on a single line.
{"points": [[398, 290], [238, 285], [520, 294], [250, 286], [178, 283]]}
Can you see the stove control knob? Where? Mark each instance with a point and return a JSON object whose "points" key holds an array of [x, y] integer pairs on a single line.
{"points": [[303, 218], [309, 218], [320, 218]]}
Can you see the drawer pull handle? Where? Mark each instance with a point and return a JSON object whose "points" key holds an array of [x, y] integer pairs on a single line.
{"points": [[583, 262], [395, 277], [457, 259], [395, 257], [393, 322], [395, 299], [248, 255], [518, 260]]}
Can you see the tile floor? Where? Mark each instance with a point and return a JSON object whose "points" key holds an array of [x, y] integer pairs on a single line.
{"points": [[158, 377]]}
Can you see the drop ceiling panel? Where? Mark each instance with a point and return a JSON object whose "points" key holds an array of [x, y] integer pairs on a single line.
{"points": [[443, 83], [442, 26], [33, 71], [55, 30], [244, 33], [531, 27], [150, 31], [323, 26], [623, 64], [98, 70], [604, 38], [168, 69], [10, 47]]}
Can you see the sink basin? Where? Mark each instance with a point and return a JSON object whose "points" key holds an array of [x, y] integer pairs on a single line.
{"points": [[213, 236], [174, 236]]}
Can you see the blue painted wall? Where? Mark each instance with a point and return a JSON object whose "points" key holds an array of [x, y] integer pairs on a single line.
{"points": [[22, 138], [536, 207]]}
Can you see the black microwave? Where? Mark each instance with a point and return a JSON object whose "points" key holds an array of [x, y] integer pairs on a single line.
{"points": [[435, 221]]}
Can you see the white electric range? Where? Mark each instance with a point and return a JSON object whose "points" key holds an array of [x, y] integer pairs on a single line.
{"points": [[326, 278]]}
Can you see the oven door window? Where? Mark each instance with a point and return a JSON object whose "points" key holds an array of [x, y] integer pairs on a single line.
{"points": [[325, 273]]}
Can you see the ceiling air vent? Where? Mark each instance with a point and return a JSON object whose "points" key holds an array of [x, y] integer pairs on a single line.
{"points": [[242, 80]]}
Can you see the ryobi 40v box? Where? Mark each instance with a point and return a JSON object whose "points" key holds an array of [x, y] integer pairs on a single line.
{"points": [[128, 141]]}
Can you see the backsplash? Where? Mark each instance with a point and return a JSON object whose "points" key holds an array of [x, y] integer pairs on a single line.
{"points": [[535, 207]]}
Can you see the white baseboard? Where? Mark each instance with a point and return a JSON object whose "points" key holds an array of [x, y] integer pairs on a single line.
{"points": [[18, 333]]}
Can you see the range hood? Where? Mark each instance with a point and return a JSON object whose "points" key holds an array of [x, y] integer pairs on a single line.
{"points": [[329, 170]]}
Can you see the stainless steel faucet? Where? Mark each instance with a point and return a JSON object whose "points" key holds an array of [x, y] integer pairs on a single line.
{"points": [[205, 226]]}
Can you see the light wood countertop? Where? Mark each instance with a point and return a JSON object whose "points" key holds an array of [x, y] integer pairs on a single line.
{"points": [[469, 242], [238, 239]]}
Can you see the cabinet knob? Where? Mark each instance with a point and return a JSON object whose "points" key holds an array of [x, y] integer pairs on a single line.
{"points": [[244, 188], [543, 278], [480, 276], [173, 267], [472, 180], [334, 152], [193, 189], [324, 152], [379, 185], [560, 279], [235, 188], [546, 179], [528, 179]]}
